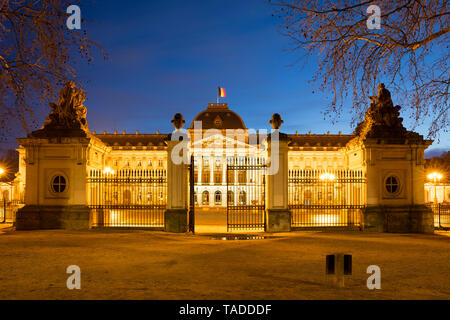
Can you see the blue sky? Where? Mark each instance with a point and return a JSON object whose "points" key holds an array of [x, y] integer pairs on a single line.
{"points": [[170, 56]]}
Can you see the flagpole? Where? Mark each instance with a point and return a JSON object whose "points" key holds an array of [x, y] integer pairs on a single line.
{"points": [[218, 94]]}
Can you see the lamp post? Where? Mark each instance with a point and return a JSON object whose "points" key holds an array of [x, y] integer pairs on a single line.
{"points": [[435, 177]]}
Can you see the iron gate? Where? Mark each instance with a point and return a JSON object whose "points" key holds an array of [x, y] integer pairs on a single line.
{"points": [[441, 214], [246, 194], [128, 198], [192, 196], [319, 198]]}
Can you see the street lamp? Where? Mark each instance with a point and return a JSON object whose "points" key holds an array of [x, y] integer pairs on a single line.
{"points": [[2, 171], [435, 177], [108, 171], [327, 176]]}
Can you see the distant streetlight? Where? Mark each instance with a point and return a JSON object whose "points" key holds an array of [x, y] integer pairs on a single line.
{"points": [[327, 176], [108, 170], [435, 177], [2, 171]]}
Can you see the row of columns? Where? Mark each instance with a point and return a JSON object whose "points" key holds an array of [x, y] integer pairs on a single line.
{"points": [[278, 216]]}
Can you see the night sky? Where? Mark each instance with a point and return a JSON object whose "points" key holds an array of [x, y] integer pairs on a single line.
{"points": [[170, 56]]}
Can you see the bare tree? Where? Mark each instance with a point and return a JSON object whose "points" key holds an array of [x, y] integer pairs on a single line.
{"points": [[440, 164], [409, 53], [37, 55]]}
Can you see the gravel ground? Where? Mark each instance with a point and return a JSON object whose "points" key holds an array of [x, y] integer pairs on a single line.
{"points": [[157, 265]]}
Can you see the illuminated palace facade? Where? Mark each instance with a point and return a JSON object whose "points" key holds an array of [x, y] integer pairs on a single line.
{"points": [[71, 177]]}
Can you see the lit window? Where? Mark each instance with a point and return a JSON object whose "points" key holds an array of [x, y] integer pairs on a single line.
{"points": [[205, 198], [149, 163], [392, 184], [139, 164], [160, 163], [59, 184], [218, 197]]}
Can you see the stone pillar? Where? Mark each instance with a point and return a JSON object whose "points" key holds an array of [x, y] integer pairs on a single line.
{"points": [[395, 189], [176, 215], [55, 187], [278, 216], [394, 161]]}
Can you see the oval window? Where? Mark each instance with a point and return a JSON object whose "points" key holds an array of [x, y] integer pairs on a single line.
{"points": [[392, 184], [59, 184]]}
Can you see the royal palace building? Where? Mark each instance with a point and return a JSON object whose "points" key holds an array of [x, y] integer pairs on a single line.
{"points": [[371, 180]]}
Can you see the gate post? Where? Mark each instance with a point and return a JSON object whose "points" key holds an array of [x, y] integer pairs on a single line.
{"points": [[278, 215], [176, 215]]}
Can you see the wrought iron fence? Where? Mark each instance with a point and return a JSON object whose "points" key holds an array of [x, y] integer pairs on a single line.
{"points": [[9, 209], [319, 198], [246, 194], [128, 198], [441, 215]]}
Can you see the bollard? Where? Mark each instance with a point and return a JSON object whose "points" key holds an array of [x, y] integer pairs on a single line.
{"points": [[338, 265]]}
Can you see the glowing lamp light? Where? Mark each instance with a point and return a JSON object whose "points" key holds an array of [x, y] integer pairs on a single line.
{"points": [[2, 171], [435, 176], [327, 176], [108, 170]]}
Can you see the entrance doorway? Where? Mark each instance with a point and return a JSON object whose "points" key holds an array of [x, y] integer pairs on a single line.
{"points": [[227, 196]]}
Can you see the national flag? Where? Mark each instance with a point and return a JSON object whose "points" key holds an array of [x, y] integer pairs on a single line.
{"points": [[221, 92]]}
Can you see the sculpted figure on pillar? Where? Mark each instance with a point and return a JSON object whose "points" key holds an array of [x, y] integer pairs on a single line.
{"points": [[382, 120], [69, 112]]}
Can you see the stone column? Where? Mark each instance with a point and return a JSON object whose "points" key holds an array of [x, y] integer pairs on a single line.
{"points": [[402, 209], [55, 193], [278, 218], [394, 162], [176, 215]]}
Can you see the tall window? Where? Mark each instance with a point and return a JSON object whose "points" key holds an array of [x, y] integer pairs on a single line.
{"points": [[230, 174], [307, 197], [218, 176], [218, 197], [127, 197], [230, 198], [242, 197], [195, 175], [206, 175], [242, 176], [205, 198]]}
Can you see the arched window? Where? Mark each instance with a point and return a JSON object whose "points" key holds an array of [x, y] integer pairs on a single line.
{"points": [[218, 197], [242, 197], [230, 197], [205, 198]]}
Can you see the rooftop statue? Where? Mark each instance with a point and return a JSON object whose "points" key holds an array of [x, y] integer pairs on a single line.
{"points": [[69, 112], [382, 120]]}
